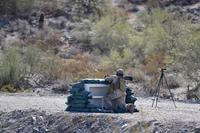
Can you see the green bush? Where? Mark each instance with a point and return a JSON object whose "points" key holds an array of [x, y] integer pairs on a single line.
{"points": [[12, 69], [50, 68], [32, 57], [82, 33], [16, 65], [111, 32], [8, 88]]}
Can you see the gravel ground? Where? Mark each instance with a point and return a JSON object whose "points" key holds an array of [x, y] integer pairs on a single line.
{"points": [[165, 118]]}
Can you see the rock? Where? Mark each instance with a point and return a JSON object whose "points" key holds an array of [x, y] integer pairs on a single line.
{"points": [[179, 2], [57, 23], [23, 27], [10, 39], [197, 130], [60, 122], [69, 52], [60, 87], [3, 22], [65, 55]]}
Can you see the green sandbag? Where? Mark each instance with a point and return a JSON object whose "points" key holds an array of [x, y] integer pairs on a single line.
{"points": [[78, 85], [75, 90], [77, 105], [69, 98], [74, 97], [91, 106], [73, 109], [86, 93], [78, 101]]}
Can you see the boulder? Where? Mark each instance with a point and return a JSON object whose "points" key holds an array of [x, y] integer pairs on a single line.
{"points": [[57, 23], [60, 87]]}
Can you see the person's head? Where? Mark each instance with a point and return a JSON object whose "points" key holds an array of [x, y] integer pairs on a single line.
{"points": [[120, 73]]}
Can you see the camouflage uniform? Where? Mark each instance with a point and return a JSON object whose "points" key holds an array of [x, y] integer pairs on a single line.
{"points": [[115, 98]]}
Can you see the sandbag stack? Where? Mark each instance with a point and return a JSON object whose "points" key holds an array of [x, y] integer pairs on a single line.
{"points": [[78, 101]]}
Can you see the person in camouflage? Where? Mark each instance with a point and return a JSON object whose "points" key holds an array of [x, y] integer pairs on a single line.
{"points": [[115, 98]]}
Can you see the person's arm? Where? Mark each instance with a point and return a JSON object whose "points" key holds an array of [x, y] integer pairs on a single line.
{"points": [[109, 79]]}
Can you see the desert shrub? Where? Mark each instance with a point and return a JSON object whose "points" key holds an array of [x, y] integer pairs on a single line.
{"points": [[154, 62], [172, 82], [16, 66], [12, 69], [82, 33], [111, 32], [153, 4], [32, 56], [9, 88], [48, 6], [50, 68], [154, 46], [81, 66], [137, 74], [48, 41], [188, 60]]}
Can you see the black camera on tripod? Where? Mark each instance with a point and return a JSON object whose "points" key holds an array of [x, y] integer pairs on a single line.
{"points": [[163, 69]]}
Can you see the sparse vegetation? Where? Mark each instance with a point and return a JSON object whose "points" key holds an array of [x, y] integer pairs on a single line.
{"points": [[12, 69], [107, 42]]}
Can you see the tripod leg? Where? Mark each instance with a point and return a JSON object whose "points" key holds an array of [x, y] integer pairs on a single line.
{"points": [[154, 96], [169, 91], [158, 94], [157, 89]]}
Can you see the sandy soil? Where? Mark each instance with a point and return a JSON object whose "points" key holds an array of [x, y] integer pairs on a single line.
{"points": [[184, 118]]}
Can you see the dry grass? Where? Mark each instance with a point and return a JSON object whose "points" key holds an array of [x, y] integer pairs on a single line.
{"points": [[138, 75], [79, 67], [154, 62]]}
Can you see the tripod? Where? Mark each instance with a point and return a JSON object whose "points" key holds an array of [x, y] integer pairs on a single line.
{"points": [[157, 92]]}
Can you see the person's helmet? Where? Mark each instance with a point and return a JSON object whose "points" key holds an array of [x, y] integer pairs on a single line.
{"points": [[120, 72]]}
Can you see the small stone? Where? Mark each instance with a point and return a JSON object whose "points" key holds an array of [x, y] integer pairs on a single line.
{"points": [[197, 130]]}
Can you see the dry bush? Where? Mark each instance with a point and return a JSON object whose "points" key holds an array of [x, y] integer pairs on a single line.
{"points": [[154, 62], [49, 5], [50, 68], [137, 74], [153, 4], [81, 66], [48, 41], [172, 82]]}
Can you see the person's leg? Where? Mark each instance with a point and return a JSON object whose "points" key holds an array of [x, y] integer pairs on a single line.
{"points": [[119, 104], [107, 103]]}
